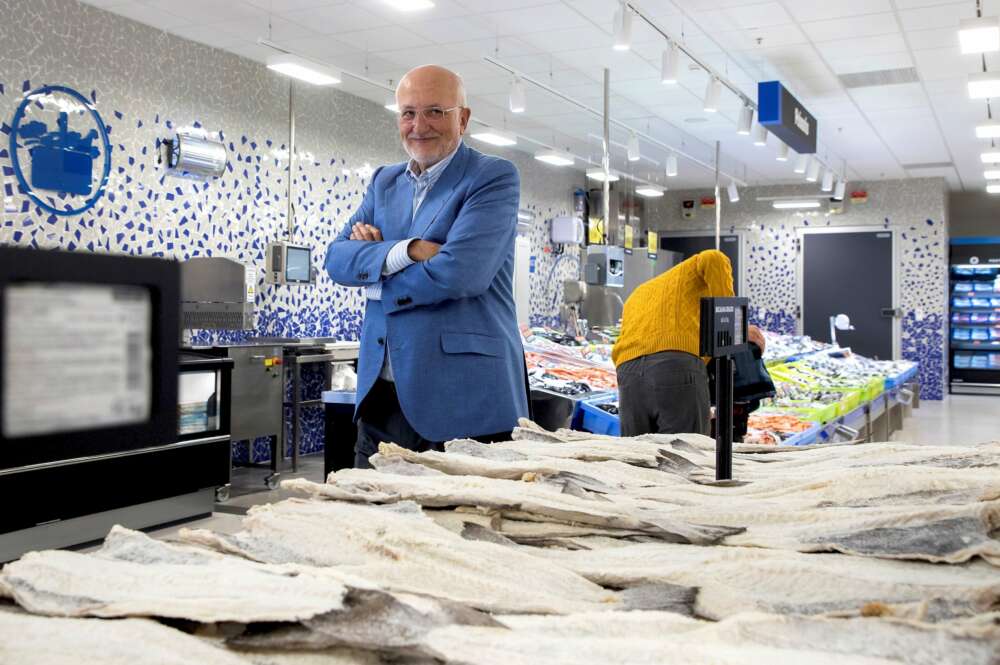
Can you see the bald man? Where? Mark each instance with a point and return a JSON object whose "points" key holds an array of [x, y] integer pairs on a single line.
{"points": [[433, 245]]}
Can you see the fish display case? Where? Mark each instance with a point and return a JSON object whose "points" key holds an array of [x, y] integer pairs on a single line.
{"points": [[974, 318]]}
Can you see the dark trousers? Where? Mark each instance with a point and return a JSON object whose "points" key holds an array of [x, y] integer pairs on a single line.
{"points": [[664, 393], [381, 419]]}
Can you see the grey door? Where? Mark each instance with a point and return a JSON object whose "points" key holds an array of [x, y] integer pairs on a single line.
{"points": [[849, 273], [688, 246]]}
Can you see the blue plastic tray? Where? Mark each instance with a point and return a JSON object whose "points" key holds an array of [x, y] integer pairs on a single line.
{"points": [[589, 418], [900, 379], [804, 438]]}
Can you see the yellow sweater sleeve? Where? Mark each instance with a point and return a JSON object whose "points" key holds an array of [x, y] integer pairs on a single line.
{"points": [[717, 273]]}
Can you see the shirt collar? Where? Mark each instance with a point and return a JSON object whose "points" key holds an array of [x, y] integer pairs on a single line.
{"points": [[434, 170]]}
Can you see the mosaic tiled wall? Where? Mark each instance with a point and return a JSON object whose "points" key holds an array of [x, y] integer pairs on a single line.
{"points": [[147, 84], [915, 209]]}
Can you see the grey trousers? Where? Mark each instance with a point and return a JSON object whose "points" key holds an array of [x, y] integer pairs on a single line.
{"points": [[664, 393]]}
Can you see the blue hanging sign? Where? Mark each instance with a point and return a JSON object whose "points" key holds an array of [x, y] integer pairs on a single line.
{"points": [[785, 117], [59, 139]]}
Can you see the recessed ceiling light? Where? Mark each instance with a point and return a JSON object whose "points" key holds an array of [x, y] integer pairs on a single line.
{"points": [[989, 131], [598, 174], [494, 137], [984, 85], [409, 5], [979, 35], [990, 157], [302, 69], [649, 191], [993, 189], [555, 157], [991, 175], [795, 204]]}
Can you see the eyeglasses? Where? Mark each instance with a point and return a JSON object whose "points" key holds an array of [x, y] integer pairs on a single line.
{"points": [[430, 114]]}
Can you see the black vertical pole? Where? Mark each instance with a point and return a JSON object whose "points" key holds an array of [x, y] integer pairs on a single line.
{"points": [[724, 418]]}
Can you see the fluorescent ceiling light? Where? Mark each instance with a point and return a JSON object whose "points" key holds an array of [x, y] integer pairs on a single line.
{"points": [[840, 189], [409, 5], [993, 189], [555, 157], [991, 175], [812, 175], [734, 193], [746, 119], [494, 137], [801, 164], [979, 35], [670, 65], [990, 157], [633, 148], [983, 85], [990, 131], [759, 135], [302, 69], [794, 204], [598, 174], [712, 91], [623, 28], [649, 191], [827, 181], [671, 169], [782, 152], [517, 98]]}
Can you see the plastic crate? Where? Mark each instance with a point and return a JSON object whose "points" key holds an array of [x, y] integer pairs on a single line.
{"points": [[904, 377], [589, 418], [806, 438]]}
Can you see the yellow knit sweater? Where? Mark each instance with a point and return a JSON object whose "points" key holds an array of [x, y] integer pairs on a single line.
{"points": [[663, 314]]}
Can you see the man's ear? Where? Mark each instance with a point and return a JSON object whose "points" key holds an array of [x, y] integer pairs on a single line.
{"points": [[466, 114]]}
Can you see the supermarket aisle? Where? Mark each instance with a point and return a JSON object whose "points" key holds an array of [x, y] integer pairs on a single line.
{"points": [[958, 419]]}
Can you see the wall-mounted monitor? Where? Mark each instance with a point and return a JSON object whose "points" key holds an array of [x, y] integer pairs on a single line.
{"points": [[288, 264]]}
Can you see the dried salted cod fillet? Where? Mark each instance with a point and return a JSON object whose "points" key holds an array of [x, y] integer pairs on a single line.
{"points": [[338, 656], [491, 494], [626, 638], [815, 639], [404, 551], [134, 575], [57, 641], [520, 531], [731, 580]]}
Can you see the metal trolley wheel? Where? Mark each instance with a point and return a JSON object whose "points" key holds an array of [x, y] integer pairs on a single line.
{"points": [[222, 494], [272, 481]]}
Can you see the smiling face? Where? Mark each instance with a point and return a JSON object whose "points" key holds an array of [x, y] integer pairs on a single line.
{"points": [[429, 141]]}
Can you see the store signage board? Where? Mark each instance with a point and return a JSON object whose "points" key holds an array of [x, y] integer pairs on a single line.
{"points": [[785, 117]]}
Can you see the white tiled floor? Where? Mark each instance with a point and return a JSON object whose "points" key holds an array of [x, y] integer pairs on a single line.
{"points": [[958, 419]]}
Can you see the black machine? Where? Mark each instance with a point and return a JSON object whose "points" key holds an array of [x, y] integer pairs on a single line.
{"points": [[723, 335], [89, 373]]}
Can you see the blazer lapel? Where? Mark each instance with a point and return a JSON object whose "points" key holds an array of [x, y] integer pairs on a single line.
{"points": [[440, 192], [399, 208]]}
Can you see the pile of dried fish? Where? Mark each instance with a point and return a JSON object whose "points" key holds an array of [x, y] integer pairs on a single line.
{"points": [[556, 547]]}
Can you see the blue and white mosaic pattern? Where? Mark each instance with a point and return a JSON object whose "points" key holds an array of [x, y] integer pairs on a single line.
{"points": [[147, 84]]}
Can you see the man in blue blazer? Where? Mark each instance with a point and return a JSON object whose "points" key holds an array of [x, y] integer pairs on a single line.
{"points": [[433, 245]]}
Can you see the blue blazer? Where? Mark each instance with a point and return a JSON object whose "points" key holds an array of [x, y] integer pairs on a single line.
{"points": [[449, 322]]}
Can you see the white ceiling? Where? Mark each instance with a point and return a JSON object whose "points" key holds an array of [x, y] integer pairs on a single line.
{"points": [[878, 132]]}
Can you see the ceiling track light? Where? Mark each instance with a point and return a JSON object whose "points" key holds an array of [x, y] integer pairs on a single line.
{"points": [[671, 169], [671, 64], [984, 85], [782, 152], [745, 121], [555, 157], [840, 190], [812, 175], [633, 148], [623, 28], [827, 185], [712, 91], [733, 191], [979, 35], [517, 98], [801, 164], [759, 135], [302, 69]]}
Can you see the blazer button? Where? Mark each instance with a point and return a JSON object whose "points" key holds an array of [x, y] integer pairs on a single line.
{"points": [[381, 341]]}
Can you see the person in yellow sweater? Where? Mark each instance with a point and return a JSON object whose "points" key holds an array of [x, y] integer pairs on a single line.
{"points": [[662, 383]]}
